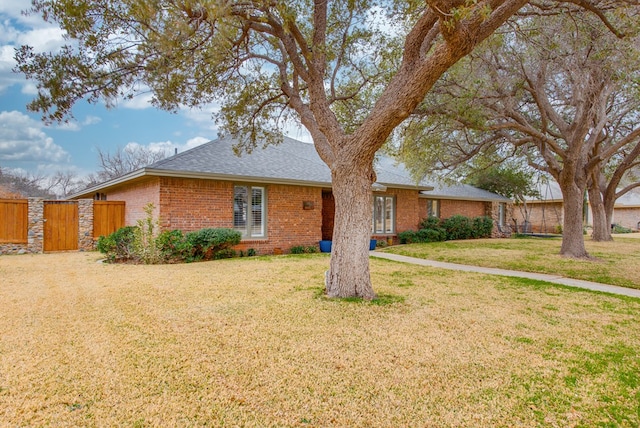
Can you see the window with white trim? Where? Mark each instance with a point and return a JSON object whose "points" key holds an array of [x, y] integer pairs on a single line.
{"points": [[384, 214], [502, 213], [249, 211], [433, 208]]}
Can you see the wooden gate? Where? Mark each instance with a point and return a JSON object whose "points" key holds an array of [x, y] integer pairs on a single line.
{"points": [[60, 225]]}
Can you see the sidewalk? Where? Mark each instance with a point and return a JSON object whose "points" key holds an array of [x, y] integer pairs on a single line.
{"points": [[557, 279]]}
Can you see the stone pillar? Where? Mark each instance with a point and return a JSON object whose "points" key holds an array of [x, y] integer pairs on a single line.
{"points": [[85, 224], [35, 221]]}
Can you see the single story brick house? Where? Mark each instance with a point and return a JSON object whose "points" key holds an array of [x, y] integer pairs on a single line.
{"points": [[546, 212], [280, 196]]}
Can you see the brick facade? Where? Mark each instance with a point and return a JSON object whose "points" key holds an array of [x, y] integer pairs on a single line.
{"points": [[451, 207], [627, 217], [136, 196], [544, 217], [294, 213], [548, 217]]}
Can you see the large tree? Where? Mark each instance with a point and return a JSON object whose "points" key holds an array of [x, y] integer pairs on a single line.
{"points": [[351, 71], [559, 89]]}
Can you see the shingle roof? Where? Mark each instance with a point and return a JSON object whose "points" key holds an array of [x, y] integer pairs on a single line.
{"points": [[463, 192], [291, 161]]}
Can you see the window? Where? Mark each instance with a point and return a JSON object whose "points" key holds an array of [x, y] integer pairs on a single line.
{"points": [[249, 211], [433, 208], [384, 213], [502, 213]]}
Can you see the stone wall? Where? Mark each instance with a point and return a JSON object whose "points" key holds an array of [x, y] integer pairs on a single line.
{"points": [[85, 225]]}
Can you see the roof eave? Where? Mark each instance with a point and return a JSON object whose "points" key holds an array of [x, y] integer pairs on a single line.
{"points": [[152, 172]]}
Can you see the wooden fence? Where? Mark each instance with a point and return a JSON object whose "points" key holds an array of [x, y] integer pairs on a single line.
{"points": [[108, 216], [35, 225], [13, 221]]}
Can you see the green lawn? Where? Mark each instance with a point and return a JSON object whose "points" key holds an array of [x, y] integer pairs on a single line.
{"points": [[252, 342], [616, 263]]}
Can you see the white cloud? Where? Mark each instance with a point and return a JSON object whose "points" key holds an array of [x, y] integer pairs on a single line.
{"points": [[91, 120], [169, 147], [16, 30], [138, 102], [202, 117], [23, 140]]}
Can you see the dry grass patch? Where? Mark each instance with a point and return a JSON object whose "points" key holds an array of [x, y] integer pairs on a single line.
{"points": [[616, 262], [248, 342]]}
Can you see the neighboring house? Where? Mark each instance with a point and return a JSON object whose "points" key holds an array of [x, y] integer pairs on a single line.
{"points": [[278, 197], [546, 214]]}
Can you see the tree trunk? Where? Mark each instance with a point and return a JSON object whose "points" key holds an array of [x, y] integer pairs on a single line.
{"points": [[348, 275], [572, 230], [601, 224]]}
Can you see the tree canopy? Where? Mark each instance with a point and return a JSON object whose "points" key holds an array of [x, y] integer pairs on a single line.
{"points": [[561, 90]]}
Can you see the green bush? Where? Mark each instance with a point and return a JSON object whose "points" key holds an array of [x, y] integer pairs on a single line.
{"points": [[482, 227], [173, 246], [129, 243], [298, 249], [433, 229], [458, 227], [430, 222], [620, 229], [205, 243], [119, 245], [301, 249]]}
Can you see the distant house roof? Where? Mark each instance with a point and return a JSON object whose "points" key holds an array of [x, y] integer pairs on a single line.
{"points": [[463, 192], [550, 192], [290, 162]]}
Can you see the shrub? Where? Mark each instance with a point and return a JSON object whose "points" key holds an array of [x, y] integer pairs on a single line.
{"points": [[205, 243], [430, 222], [620, 229], [433, 229], [301, 249], [119, 245], [146, 245], [173, 246], [457, 227], [482, 227], [251, 252]]}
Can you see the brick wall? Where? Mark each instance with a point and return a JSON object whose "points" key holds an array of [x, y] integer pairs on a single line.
{"points": [[407, 209], [289, 223], [627, 217], [451, 207], [136, 196], [192, 204], [544, 217]]}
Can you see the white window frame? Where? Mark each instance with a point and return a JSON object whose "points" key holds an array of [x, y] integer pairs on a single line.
{"points": [[249, 214], [388, 224], [433, 208], [502, 213]]}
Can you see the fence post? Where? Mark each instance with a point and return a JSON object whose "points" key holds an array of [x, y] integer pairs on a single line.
{"points": [[35, 220], [85, 224]]}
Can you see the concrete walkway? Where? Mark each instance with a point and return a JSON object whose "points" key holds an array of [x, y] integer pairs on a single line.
{"points": [[613, 289]]}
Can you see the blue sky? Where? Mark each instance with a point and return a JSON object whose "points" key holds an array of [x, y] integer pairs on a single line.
{"points": [[27, 145]]}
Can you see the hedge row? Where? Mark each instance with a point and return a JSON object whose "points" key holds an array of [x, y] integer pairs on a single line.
{"points": [[432, 229], [128, 244]]}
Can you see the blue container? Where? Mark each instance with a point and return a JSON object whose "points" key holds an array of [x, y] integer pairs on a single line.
{"points": [[325, 246], [372, 244]]}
